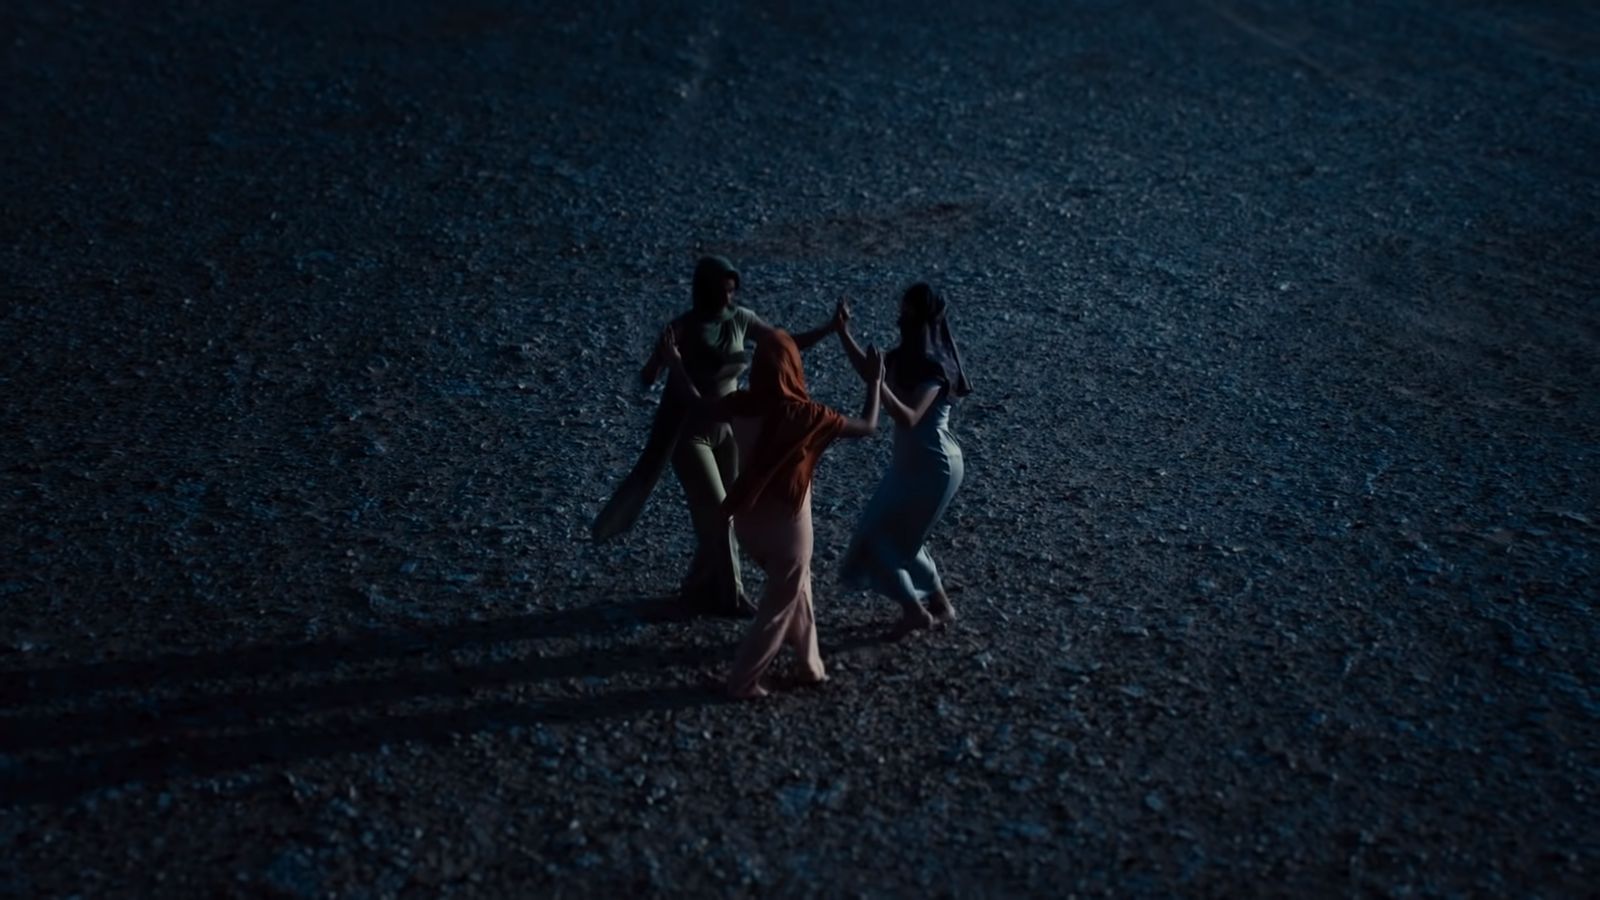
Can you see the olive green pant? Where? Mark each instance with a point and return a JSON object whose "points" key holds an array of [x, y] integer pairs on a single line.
{"points": [[706, 461]]}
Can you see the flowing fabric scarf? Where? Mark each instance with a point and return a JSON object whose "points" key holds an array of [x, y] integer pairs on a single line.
{"points": [[794, 428], [927, 350]]}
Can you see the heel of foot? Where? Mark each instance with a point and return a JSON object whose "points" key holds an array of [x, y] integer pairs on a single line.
{"points": [[915, 619]]}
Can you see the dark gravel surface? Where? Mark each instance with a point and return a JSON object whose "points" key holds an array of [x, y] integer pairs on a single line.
{"points": [[1276, 559]]}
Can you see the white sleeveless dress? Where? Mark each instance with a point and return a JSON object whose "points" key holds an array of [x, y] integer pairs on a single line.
{"points": [[889, 552]]}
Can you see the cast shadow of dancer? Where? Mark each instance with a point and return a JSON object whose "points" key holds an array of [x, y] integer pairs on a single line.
{"points": [[211, 714]]}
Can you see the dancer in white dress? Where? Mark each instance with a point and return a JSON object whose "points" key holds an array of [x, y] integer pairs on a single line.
{"points": [[889, 552]]}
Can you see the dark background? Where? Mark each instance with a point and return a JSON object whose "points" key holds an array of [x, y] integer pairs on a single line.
{"points": [[1276, 558]]}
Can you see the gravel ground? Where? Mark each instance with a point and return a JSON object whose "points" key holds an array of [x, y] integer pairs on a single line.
{"points": [[1276, 558]]}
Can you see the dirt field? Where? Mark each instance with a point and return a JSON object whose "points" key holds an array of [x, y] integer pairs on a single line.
{"points": [[1276, 559]]}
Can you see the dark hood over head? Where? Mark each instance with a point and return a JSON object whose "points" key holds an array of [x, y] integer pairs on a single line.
{"points": [[708, 276], [927, 350]]}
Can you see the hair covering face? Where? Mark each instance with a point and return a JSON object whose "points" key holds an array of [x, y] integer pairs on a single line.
{"points": [[927, 350], [794, 428], [709, 296]]}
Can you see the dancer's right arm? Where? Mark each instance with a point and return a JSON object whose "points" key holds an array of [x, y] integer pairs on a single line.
{"points": [[852, 350], [910, 410], [667, 352], [680, 381], [652, 366], [867, 425]]}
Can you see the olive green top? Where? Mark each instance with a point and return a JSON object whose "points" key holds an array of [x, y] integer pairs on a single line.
{"points": [[713, 350]]}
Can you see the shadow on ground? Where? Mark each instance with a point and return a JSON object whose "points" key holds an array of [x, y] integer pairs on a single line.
{"points": [[160, 717]]}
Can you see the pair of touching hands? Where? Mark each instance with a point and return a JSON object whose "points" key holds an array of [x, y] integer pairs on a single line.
{"points": [[869, 364], [872, 372]]}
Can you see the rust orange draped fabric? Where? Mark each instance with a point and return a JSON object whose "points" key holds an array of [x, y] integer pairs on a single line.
{"points": [[794, 428]]}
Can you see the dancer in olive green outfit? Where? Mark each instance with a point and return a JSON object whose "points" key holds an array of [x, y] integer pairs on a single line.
{"points": [[711, 338]]}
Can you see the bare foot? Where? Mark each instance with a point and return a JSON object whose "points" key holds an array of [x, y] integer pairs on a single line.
{"points": [[755, 693], [914, 619], [719, 684], [798, 680], [942, 611]]}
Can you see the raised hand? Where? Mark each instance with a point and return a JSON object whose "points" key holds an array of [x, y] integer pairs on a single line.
{"points": [[874, 365], [841, 315]]}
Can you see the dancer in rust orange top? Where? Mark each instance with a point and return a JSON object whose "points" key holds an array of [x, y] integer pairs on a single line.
{"points": [[770, 502]]}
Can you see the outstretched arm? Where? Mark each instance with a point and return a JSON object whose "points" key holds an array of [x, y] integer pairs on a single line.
{"points": [[679, 380], [910, 410], [652, 366], [803, 340], [867, 425], [852, 350]]}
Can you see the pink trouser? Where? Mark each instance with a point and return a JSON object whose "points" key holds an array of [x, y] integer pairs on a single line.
{"points": [[778, 536]]}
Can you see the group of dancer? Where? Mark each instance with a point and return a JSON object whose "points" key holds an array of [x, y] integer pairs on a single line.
{"points": [[746, 458]]}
